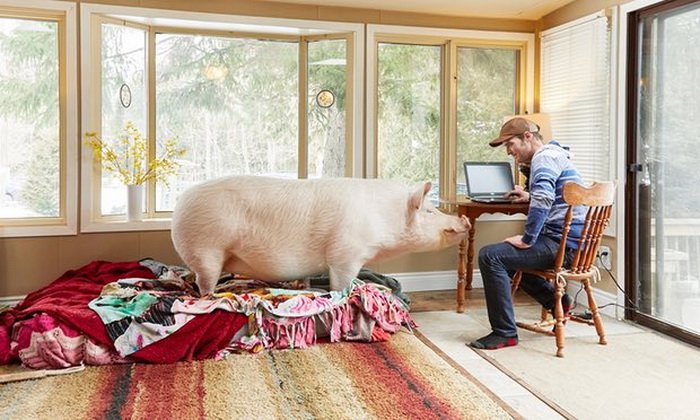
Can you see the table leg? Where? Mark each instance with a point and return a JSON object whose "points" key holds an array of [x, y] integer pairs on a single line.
{"points": [[461, 277], [470, 255]]}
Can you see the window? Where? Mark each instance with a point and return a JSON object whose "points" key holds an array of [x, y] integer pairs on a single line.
{"points": [[438, 97], [575, 92], [327, 108], [408, 112], [240, 97], [487, 90], [123, 73], [38, 120]]}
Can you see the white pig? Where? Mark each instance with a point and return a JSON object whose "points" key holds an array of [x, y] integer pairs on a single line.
{"points": [[277, 229]]}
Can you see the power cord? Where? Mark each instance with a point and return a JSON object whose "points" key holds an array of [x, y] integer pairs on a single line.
{"points": [[588, 314], [633, 307]]}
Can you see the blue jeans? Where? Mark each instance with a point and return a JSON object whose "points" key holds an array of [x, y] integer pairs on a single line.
{"points": [[498, 263]]}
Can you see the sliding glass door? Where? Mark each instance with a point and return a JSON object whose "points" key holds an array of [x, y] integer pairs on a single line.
{"points": [[664, 180]]}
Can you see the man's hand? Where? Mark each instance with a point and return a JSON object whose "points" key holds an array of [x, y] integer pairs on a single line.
{"points": [[518, 195], [517, 241]]}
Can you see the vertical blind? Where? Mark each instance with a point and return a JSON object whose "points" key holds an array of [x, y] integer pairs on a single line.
{"points": [[575, 92]]}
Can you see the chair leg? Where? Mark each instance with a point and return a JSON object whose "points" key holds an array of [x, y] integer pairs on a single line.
{"points": [[544, 314], [559, 315], [515, 282], [597, 319]]}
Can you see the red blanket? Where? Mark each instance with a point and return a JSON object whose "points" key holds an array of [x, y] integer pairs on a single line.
{"points": [[66, 299]]}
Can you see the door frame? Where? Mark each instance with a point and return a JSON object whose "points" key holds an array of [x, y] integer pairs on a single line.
{"points": [[635, 12]]}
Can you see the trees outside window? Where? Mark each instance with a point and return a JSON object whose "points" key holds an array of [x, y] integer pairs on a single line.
{"points": [[233, 104], [30, 119], [38, 119], [408, 112], [487, 86]]}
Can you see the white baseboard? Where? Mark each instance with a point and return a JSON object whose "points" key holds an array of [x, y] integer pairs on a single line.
{"points": [[432, 280], [447, 280], [11, 300]]}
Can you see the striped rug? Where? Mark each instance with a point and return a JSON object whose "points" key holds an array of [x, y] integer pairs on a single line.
{"points": [[399, 379]]}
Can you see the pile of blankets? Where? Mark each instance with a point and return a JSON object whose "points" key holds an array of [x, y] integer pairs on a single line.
{"points": [[105, 313]]}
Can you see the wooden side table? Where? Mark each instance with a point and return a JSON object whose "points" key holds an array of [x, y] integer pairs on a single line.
{"points": [[473, 210]]}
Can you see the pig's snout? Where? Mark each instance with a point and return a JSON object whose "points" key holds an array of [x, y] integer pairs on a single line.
{"points": [[461, 226], [457, 230]]}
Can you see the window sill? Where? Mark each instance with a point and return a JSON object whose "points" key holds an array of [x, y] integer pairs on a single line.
{"points": [[37, 230], [125, 226]]}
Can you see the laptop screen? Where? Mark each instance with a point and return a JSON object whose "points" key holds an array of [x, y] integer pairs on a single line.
{"points": [[488, 178]]}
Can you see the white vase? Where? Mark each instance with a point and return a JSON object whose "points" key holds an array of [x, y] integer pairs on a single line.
{"points": [[134, 207]]}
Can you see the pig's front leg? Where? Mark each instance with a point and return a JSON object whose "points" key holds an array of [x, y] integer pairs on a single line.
{"points": [[342, 276]]}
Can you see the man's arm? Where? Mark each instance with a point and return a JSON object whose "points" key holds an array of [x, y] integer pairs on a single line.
{"points": [[518, 195], [517, 241]]}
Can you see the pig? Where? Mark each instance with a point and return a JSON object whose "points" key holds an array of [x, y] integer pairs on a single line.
{"points": [[280, 229]]}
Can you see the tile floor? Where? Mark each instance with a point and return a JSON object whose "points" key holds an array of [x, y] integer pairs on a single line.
{"points": [[449, 331]]}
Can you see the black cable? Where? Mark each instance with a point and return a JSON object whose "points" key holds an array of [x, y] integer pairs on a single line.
{"points": [[633, 307], [617, 304], [576, 298]]}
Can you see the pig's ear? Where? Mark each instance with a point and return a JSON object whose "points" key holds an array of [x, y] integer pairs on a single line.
{"points": [[419, 195]]}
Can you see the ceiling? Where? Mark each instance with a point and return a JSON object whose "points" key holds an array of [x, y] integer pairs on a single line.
{"points": [[503, 9]]}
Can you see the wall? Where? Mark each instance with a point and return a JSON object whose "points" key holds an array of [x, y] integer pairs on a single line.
{"points": [[29, 263], [575, 10]]}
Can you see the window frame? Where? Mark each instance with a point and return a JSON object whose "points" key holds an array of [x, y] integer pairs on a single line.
{"points": [[64, 14], [207, 23], [450, 39]]}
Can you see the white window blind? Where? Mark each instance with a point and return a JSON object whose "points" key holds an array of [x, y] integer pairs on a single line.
{"points": [[575, 92]]}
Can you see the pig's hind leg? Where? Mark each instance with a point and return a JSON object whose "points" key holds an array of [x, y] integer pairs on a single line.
{"points": [[207, 266], [342, 275]]}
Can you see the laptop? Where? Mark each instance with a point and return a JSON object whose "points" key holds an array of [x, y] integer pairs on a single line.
{"points": [[487, 182]]}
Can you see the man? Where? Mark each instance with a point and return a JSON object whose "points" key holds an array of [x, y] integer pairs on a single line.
{"points": [[550, 168]]}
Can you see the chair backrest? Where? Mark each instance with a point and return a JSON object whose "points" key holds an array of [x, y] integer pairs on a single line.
{"points": [[599, 198]]}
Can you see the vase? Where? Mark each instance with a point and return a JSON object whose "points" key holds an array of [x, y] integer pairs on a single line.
{"points": [[134, 207]]}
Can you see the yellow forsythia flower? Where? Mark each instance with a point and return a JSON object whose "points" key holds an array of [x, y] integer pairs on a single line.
{"points": [[130, 162]]}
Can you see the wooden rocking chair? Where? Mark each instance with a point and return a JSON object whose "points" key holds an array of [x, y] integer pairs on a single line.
{"points": [[598, 198]]}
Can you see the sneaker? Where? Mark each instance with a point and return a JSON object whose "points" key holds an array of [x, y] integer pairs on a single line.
{"points": [[493, 341]]}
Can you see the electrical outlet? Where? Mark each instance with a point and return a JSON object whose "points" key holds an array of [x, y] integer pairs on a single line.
{"points": [[605, 257]]}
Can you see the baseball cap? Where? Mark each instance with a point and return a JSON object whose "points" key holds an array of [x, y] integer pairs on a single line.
{"points": [[512, 128]]}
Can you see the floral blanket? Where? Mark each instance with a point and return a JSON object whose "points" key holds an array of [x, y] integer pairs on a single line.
{"points": [[139, 312]]}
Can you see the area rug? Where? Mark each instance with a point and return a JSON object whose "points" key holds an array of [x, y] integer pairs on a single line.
{"points": [[620, 380], [400, 378]]}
